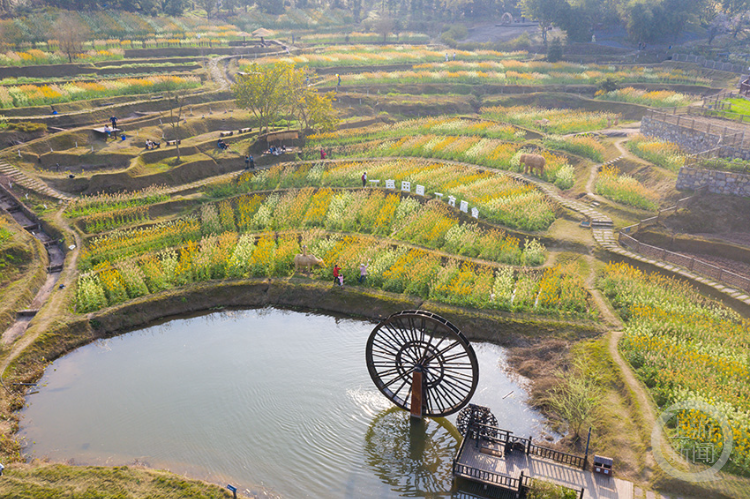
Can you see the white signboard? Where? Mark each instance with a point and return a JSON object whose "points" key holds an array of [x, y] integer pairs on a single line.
{"points": [[464, 206], [406, 186], [390, 184], [475, 213], [420, 190], [452, 200]]}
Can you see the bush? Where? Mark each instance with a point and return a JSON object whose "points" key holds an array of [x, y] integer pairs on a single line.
{"points": [[453, 34], [554, 51], [28, 126]]}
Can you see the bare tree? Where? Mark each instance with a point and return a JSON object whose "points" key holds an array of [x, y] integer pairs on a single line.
{"points": [[71, 34], [176, 100], [384, 26]]}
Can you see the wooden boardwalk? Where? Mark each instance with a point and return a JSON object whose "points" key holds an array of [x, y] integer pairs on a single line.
{"points": [[595, 486]]}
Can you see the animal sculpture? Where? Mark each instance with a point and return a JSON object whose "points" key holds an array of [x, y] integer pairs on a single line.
{"points": [[305, 260], [533, 163]]}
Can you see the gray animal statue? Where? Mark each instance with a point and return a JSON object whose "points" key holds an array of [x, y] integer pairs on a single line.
{"points": [[533, 163], [305, 260]]}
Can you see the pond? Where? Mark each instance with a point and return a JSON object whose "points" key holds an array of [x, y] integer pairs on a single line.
{"points": [[276, 402]]}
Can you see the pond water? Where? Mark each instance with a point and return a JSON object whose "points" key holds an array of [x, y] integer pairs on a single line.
{"points": [[278, 403]]}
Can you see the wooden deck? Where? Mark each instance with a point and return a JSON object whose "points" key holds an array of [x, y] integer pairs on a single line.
{"points": [[596, 486]]}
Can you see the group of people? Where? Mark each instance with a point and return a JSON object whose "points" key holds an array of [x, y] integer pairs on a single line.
{"points": [[150, 144], [338, 277], [107, 128], [222, 145], [276, 150]]}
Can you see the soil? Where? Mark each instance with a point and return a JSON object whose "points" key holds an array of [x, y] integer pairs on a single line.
{"points": [[491, 32], [713, 215]]}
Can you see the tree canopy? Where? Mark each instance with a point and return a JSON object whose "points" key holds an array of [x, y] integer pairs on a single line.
{"points": [[271, 91]]}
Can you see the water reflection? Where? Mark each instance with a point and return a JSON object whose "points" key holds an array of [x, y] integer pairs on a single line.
{"points": [[265, 399], [414, 457]]}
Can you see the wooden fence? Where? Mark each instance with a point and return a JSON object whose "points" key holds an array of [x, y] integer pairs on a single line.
{"points": [[745, 87], [697, 266]]}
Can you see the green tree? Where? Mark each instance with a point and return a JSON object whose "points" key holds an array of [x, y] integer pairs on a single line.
{"points": [[544, 11], [174, 7], [554, 50], [264, 91]]}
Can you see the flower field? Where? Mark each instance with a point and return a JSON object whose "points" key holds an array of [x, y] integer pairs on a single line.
{"points": [[36, 56], [37, 95], [514, 72], [91, 205], [498, 197], [685, 347], [356, 37], [475, 150], [108, 26], [421, 126], [582, 145], [625, 189], [373, 211], [659, 98], [396, 269], [561, 121], [660, 152], [360, 55]]}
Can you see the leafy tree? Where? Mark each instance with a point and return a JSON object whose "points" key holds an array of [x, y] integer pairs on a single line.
{"points": [[208, 5], [70, 34], [544, 11], [174, 7], [264, 91], [554, 50]]}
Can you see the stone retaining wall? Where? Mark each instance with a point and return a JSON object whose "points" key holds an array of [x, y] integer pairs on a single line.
{"points": [[735, 184], [692, 141]]}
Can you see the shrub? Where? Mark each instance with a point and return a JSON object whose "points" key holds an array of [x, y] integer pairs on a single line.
{"points": [[28, 126], [554, 51]]}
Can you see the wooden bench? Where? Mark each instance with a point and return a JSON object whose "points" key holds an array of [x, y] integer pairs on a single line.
{"points": [[245, 130], [174, 142], [227, 133]]}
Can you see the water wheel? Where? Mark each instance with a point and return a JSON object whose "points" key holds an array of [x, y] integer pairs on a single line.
{"points": [[422, 363], [475, 414]]}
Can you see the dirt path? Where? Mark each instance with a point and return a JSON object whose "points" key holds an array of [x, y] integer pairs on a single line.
{"points": [[53, 303]]}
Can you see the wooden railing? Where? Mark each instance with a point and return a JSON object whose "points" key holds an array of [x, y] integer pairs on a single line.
{"points": [[504, 481], [697, 266], [500, 436], [557, 456], [683, 118]]}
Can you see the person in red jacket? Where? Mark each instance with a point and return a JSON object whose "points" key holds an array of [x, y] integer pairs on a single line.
{"points": [[322, 153], [336, 273]]}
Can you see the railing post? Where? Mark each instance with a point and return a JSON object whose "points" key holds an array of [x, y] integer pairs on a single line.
{"points": [[520, 482], [528, 446], [721, 273]]}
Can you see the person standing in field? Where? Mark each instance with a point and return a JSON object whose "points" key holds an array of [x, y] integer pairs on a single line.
{"points": [[364, 179], [322, 153], [362, 272]]}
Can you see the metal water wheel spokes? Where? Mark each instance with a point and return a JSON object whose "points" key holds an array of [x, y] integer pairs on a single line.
{"points": [[417, 355]]}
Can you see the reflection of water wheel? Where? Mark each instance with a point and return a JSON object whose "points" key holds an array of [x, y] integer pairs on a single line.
{"points": [[413, 457], [478, 414], [422, 363]]}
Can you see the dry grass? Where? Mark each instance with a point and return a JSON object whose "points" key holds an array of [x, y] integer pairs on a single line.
{"points": [[52, 481]]}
